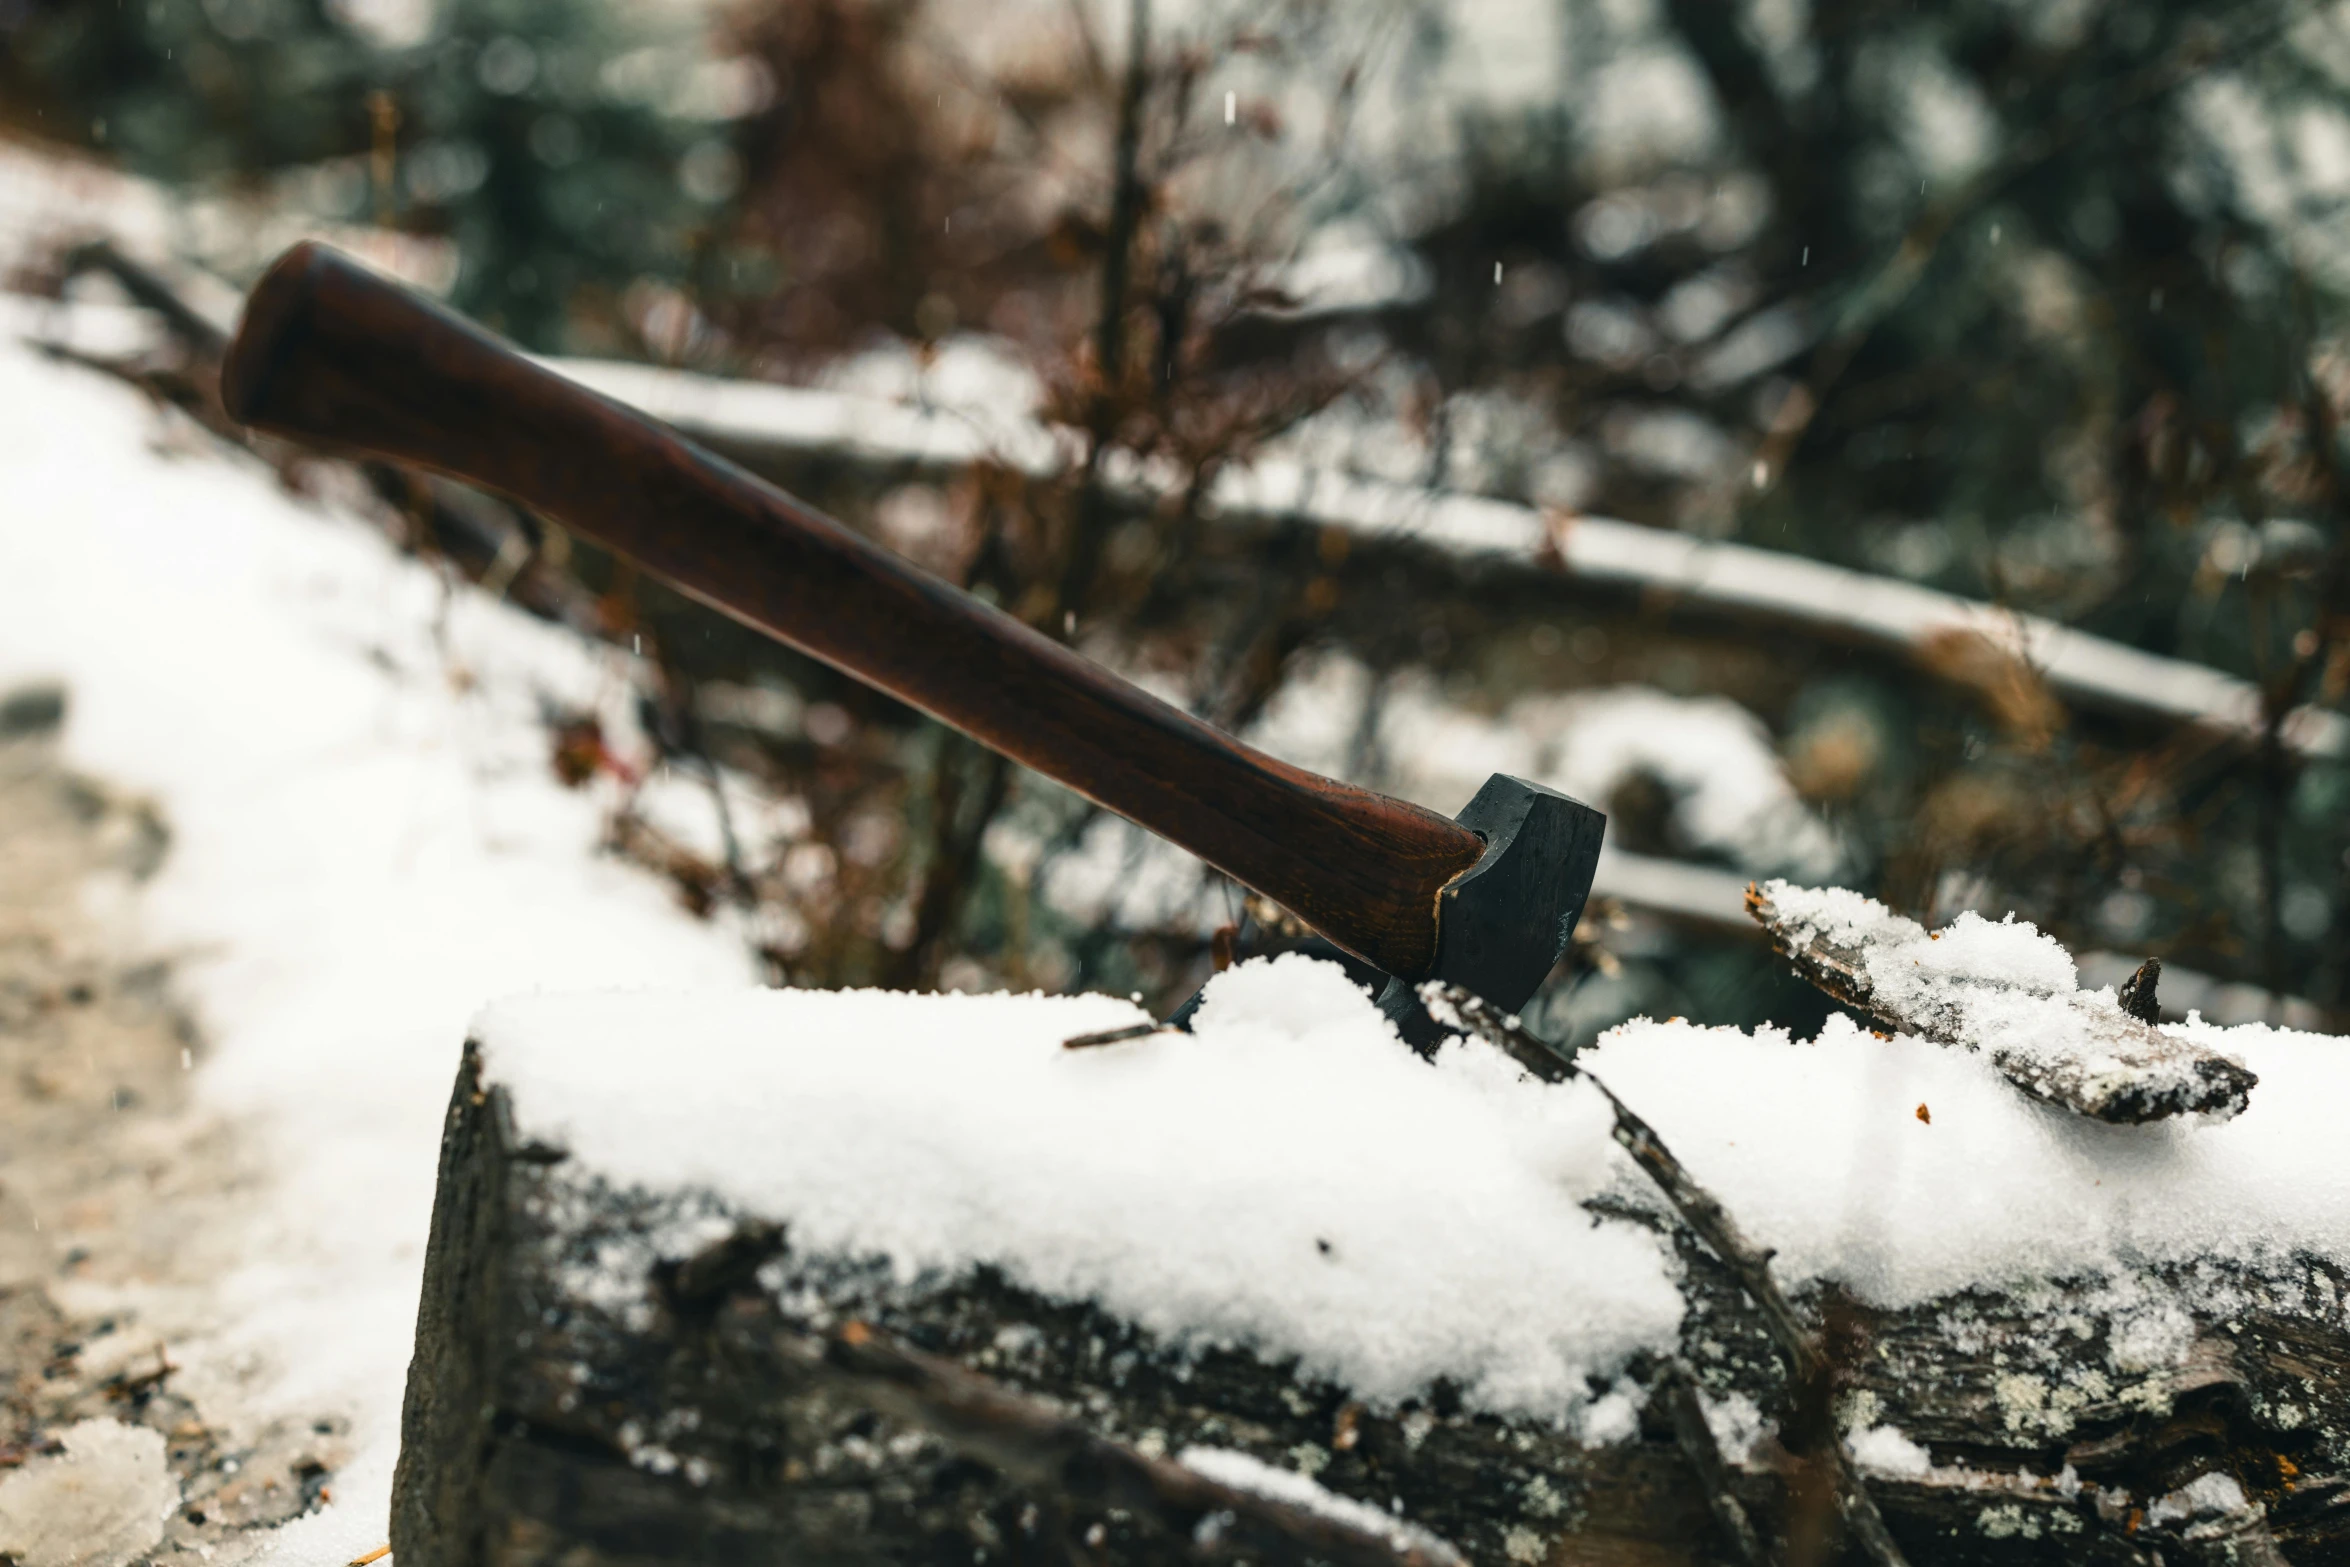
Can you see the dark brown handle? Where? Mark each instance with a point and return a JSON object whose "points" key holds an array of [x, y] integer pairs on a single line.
{"points": [[329, 353]]}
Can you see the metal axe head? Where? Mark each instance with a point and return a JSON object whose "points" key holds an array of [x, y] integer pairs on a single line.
{"points": [[1502, 924]]}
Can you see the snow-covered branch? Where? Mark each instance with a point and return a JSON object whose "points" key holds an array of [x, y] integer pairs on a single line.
{"points": [[2003, 989], [1813, 599]]}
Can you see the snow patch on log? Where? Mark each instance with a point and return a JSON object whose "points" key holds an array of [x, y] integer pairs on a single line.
{"points": [[1287, 1178], [1290, 1181], [1819, 1150]]}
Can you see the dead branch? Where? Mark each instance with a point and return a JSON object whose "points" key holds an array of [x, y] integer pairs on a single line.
{"points": [[1736, 583], [2128, 1071]]}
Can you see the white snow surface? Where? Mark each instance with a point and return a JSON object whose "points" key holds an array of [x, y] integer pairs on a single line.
{"points": [[1288, 1177], [1818, 1150], [1885, 1450], [947, 1131], [367, 842], [2215, 1495]]}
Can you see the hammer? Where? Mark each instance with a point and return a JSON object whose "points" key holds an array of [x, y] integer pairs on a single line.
{"points": [[331, 355]]}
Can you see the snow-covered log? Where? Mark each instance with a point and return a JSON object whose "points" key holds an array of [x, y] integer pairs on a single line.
{"points": [[2007, 991], [1942, 632], [795, 1276]]}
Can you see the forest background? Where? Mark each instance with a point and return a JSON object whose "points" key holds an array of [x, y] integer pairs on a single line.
{"points": [[1261, 324]]}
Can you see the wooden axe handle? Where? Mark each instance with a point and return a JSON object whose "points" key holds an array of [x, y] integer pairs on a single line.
{"points": [[330, 354]]}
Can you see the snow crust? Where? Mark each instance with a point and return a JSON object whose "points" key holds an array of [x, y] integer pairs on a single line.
{"points": [[100, 1503], [1885, 1450], [1818, 1149], [2207, 1496], [1289, 1177]]}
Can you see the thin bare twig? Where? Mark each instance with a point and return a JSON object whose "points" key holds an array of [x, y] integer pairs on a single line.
{"points": [[1808, 1365], [1127, 205], [1113, 1036]]}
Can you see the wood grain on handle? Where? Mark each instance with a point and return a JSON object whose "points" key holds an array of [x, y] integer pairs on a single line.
{"points": [[330, 354]]}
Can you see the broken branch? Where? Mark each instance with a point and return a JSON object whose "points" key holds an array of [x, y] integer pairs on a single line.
{"points": [[2085, 1053]]}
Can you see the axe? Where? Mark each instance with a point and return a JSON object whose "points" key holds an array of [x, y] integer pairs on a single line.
{"points": [[331, 355]]}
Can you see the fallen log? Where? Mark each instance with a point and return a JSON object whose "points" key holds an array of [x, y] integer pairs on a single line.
{"points": [[808, 1278]]}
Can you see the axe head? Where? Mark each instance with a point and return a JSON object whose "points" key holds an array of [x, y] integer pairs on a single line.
{"points": [[1502, 924]]}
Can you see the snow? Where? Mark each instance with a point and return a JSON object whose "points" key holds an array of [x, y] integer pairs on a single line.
{"points": [[99, 1503], [946, 1132], [1818, 1150], [1736, 1423], [367, 843], [1884, 1450], [2208, 1496], [1326, 1175]]}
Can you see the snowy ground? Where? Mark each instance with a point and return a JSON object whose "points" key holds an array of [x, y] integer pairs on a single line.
{"points": [[366, 843]]}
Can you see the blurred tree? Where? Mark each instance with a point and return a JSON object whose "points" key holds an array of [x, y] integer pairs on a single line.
{"points": [[569, 149], [2035, 304], [2028, 303]]}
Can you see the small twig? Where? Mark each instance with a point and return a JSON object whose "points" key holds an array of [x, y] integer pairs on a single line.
{"points": [[1033, 1445], [1458, 1008], [376, 1555], [1807, 1359], [2138, 993], [1678, 1389], [1114, 1036]]}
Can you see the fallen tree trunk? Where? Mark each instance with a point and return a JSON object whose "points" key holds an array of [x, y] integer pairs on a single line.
{"points": [[609, 1373]]}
